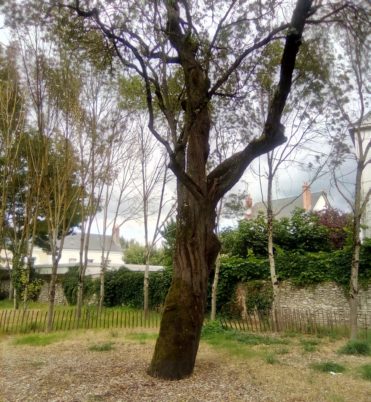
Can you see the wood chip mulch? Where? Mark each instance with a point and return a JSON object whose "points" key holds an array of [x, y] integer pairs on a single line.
{"points": [[68, 371]]}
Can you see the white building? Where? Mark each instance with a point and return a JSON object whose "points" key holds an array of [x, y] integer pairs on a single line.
{"points": [[42, 260], [5, 259], [71, 255]]}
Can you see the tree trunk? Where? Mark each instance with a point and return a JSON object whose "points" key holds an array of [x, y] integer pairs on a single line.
{"points": [[214, 289], [272, 265], [272, 262], [146, 289], [15, 299], [356, 245], [101, 289], [146, 270], [195, 251], [11, 295], [27, 280], [17, 278], [273, 274], [52, 286], [80, 297], [353, 293]]}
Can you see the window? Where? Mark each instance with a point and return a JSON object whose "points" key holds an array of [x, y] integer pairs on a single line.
{"points": [[90, 260], [72, 260]]}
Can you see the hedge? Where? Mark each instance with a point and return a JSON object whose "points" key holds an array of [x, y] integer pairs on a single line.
{"points": [[302, 269], [124, 287]]}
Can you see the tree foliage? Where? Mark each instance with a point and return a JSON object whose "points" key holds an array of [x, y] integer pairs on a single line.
{"points": [[135, 253], [69, 284], [303, 232], [125, 288]]}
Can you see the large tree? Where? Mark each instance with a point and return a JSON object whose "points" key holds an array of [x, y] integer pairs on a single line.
{"points": [[176, 40], [187, 53]]}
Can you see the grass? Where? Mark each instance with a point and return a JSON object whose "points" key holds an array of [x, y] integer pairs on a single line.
{"points": [[357, 348], [271, 358], [142, 337], [102, 347], [233, 348], [332, 333], [114, 334], [282, 351], [309, 345], [328, 367], [336, 398], [365, 371], [40, 339], [214, 330], [238, 343]]}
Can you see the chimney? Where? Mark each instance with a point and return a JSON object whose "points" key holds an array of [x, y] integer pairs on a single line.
{"points": [[307, 197], [116, 235]]}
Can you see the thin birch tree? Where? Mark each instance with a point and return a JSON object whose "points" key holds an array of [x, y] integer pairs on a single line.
{"points": [[351, 106]]}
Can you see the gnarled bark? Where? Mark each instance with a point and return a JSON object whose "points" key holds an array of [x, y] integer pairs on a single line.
{"points": [[196, 250]]}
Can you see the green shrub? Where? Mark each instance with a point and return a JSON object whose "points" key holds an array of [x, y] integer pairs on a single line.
{"points": [[306, 253], [327, 367], [366, 371], [301, 268], [259, 296], [125, 288], [211, 328], [358, 348], [69, 284]]}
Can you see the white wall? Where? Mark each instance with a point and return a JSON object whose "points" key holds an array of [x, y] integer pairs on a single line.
{"points": [[72, 257], [320, 204]]}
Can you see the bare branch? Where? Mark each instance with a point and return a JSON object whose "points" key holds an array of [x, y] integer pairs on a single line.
{"points": [[223, 177], [224, 78]]}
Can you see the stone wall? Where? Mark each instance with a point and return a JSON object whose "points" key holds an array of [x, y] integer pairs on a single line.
{"points": [[326, 295], [327, 301], [44, 293], [60, 298], [4, 286]]}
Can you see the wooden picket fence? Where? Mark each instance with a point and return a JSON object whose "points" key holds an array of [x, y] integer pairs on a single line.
{"points": [[319, 321], [277, 320], [28, 321]]}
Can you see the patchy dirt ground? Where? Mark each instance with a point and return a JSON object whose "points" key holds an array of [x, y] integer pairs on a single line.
{"points": [[68, 370]]}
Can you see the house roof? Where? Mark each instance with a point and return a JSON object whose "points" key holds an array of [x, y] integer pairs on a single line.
{"points": [[284, 207], [73, 242]]}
